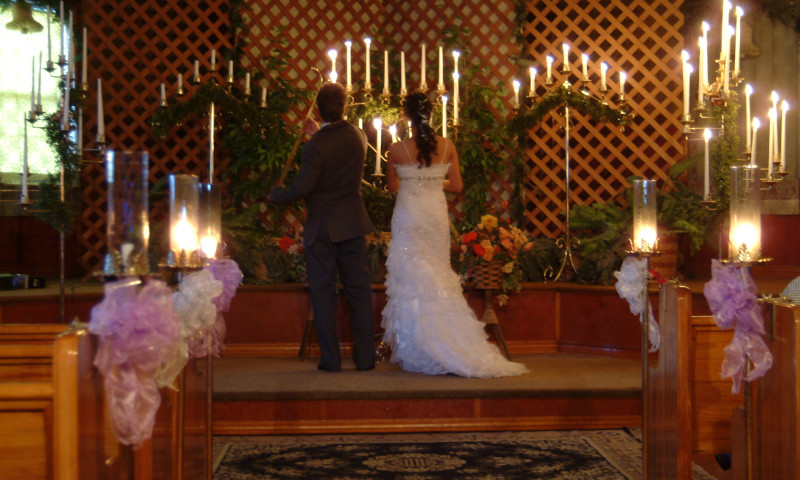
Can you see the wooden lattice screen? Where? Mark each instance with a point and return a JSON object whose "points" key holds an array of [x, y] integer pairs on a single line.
{"points": [[136, 45], [639, 37]]}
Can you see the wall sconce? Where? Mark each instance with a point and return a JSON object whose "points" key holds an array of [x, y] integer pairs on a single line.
{"points": [[127, 227], [745, 207], [210, 219], [645, 231], [184, 210]]}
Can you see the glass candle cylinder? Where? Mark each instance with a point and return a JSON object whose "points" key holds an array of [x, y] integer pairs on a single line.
{"points": [[210, 218], [745, 233], [645, 230], [184, 210], [127, 227]]}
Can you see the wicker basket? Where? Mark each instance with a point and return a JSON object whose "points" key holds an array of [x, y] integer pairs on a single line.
{"points": [[488, 276]]}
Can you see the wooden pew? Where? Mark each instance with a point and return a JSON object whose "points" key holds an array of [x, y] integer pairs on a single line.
{"points": [[689, 405], [27, 400], [54, 422], [775, 446], [180, 447]]}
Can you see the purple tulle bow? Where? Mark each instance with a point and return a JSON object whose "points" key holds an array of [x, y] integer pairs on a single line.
{"points": [[732, 298], [226, 271], [137, 331]]}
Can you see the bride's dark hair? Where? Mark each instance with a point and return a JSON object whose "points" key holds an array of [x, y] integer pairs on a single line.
{"points": [[418, 109]]}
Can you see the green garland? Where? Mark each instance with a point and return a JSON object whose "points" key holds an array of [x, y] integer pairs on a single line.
{"points": [[565, 96]]}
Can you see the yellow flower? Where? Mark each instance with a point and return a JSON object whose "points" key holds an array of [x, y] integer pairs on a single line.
{"points": [[489, 250], [489, 222], [508, 267]]}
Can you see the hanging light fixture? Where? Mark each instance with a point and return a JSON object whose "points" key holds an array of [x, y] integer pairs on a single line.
{"points": [[22, 19]]}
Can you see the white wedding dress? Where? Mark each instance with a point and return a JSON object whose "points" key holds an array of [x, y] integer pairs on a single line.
{"points": [[428, 324]]}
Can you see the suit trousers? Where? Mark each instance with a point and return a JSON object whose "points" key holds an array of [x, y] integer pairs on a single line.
{"points": [[324, 260]]}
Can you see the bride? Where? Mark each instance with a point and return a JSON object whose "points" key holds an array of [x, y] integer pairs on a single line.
{"points": [[427, 322]]}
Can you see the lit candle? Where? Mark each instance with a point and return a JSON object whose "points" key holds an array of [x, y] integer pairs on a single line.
{"points": [[197, 69], [403, 73], [61, 26], [211, 146], [332, 55], [247, 83], [756, 126], [549, 69], [784, 109], [49, 48], [230, 71], [726, 7], [771, 149], [706, 137], [455, 98], [444, 116], [584, 66], [532, 72], [705, 27], [361, 123], [84, 60], [726, 70], [745, 234], [737, 49], [515, 83], [441, 69], [185, 234], [367, 84], [349, 45], [748, 90], [623, 77], [603, 72], [422, 83], [386, 71], [101, 123], [644, 215], [377, 123], [70, 50], [687, 71], [24, 193], [774, 97], [456, 54], [701, 70], [565, 49]]}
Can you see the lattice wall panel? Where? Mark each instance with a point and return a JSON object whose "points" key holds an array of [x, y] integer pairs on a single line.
{"points": [[134, 46], [639, 37]]}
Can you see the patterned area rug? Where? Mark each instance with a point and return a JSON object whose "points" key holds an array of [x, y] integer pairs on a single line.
{"points": [[576, 455]]}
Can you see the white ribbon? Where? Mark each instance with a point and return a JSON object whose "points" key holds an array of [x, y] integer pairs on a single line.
{"points": [[631, 279]]}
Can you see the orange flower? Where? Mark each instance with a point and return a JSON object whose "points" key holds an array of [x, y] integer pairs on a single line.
{"points": [[469, 237]]}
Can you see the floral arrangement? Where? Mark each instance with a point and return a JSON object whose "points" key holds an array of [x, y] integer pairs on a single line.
{"points": [[493, 241], [292, 246]]}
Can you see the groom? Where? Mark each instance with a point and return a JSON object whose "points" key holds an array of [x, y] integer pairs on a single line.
{"points": [[336, 223]]}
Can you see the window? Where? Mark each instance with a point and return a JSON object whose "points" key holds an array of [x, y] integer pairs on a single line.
{"points": [[17, 53]]}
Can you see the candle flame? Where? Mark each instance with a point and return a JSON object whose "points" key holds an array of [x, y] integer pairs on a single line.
{"points": [[705, 26], [707, 134], [377, 122], [784, 105], [208, 245], [756, 123], [748, 89]]}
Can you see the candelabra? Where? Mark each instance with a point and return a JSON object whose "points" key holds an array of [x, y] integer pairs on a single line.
{"points": [[567, 97]]}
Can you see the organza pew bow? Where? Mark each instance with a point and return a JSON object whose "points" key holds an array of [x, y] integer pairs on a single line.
{"points": [[631, 279], [137, 330], [731, 296]]}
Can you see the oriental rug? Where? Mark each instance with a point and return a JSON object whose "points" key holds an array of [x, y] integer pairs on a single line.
{"points": [[576, 455]]}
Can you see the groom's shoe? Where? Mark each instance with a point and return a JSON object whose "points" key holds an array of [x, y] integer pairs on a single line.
{"points": [[371, 367], [328, 368]]}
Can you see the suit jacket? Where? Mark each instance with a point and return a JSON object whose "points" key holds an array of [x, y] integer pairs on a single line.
{"points": [[330, 181]]}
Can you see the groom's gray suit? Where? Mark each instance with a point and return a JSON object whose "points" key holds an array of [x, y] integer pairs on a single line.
{"points": [[336, 223]]}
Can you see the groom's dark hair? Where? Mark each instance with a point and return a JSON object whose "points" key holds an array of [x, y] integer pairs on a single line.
{"points": [[330, 102]]}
